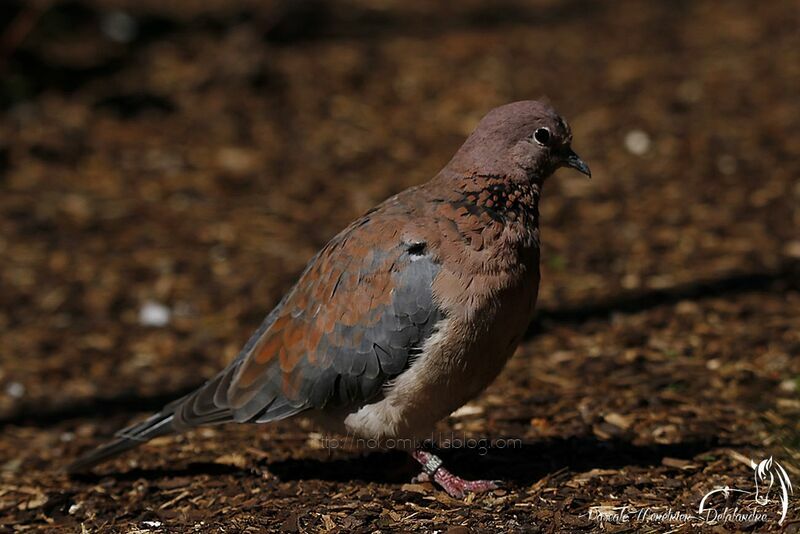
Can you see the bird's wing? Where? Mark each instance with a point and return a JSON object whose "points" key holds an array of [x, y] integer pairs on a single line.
{"points": [[359, 313]]}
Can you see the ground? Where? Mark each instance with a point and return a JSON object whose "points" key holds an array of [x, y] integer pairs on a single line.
{"points": [[167, 168]]}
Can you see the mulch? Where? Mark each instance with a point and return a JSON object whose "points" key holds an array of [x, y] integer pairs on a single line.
{"points": [[183, 160]]}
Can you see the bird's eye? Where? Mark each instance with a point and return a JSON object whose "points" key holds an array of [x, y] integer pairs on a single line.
{"points": [[542, 136]]}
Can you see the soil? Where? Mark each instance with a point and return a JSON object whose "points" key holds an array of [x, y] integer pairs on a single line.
{"points": [[167, 168]]}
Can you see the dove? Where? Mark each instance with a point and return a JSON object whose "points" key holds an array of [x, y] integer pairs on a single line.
{"points": [[405, 315]]}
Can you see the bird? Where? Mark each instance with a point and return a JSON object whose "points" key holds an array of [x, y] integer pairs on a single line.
{"points": [[405, 315]]}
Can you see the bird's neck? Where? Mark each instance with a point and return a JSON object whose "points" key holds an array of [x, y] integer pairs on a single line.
{"points": [[509, 201]]}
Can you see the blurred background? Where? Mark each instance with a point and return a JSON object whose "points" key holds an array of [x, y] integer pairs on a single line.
{"points": [[168, 167]]}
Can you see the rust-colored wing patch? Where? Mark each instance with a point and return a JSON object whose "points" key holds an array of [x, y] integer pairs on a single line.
{"points": [[360, 311]]}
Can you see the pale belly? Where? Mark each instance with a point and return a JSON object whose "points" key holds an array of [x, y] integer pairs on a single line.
{"points": [[459, 361]]}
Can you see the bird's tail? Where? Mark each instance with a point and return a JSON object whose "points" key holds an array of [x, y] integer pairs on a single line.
{"points": [[156, 425], [201, 407]]}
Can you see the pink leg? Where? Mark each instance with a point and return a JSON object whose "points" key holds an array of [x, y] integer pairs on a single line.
{"points": [[455, 486]]}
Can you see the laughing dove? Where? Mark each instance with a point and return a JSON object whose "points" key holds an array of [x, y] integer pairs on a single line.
{"points": [[408, 313]]}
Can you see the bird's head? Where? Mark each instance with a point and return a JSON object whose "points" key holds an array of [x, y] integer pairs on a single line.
{"points": [[525, 139]]}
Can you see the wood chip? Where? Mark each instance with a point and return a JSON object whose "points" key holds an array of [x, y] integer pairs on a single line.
{"points": [[678, 463]]}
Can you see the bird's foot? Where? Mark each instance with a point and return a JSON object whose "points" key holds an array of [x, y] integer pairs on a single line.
{"points": [[454, 485]]}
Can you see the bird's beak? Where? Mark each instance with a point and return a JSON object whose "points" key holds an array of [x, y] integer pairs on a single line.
{"points": [[571, 159]]}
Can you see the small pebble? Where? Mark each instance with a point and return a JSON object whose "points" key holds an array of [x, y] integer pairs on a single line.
{"points": [[15, 390], [637, 142], [154, 314], [119, 26], [789, 385]]}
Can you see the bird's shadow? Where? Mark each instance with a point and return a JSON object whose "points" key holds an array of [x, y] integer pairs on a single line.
{"points": [[515, 461], [190, 470]]}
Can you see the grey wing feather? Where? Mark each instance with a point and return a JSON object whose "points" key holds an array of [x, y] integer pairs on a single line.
{"points": [[358, 370]]}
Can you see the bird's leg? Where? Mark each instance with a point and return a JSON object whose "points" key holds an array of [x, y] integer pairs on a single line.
{"points": [[455, 486]]}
